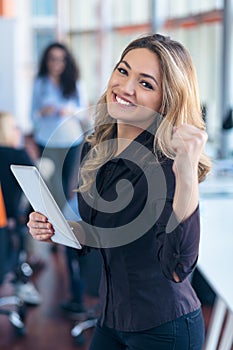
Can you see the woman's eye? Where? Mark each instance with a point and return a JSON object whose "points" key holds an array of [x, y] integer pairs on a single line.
{"points": [[147, 85], [122, 70]]}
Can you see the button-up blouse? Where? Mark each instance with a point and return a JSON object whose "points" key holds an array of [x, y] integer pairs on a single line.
{"points": [[130, 220]]}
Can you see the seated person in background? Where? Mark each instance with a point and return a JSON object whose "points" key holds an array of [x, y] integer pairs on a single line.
{"points": [[12, 152]]}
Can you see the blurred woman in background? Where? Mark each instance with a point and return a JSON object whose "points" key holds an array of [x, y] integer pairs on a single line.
{"points": [[59, 106]]}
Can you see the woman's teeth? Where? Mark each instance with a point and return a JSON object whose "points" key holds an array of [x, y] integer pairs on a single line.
{"points": [[123, 102]]}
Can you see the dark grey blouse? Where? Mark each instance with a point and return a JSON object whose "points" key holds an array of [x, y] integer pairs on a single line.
{"points": [[141, 243]]}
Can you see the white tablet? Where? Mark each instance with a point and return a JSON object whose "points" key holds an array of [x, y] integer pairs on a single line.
{"points": [[42, 201]]}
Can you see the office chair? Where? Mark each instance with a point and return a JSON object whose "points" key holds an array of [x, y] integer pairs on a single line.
{"points": [[11, 306], [91, 271], [89, 322]]}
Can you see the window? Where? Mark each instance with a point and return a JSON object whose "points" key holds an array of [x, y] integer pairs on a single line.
{"points": [[44, 7]]}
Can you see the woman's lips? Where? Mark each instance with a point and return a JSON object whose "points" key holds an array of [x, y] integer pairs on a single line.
{"points": [[123, 102]]}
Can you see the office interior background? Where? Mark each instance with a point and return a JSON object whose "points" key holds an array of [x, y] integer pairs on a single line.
{"points": [[98, 30]]}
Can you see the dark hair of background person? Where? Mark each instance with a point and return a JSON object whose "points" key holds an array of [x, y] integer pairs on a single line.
{"points": [[70, 74]]}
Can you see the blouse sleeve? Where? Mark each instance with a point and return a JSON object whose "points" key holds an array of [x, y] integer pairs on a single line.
{"points": [[178, 242], [178, 249]]}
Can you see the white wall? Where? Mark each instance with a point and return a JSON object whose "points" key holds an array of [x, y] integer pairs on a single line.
{"points": [[8, 65], [16, 68], [24, 63]]}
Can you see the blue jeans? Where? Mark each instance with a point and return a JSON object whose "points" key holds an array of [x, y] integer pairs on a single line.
{"points": [[184, 333]]}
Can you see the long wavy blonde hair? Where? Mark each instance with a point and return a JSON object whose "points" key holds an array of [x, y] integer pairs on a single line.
{"points": [[180, 104]]}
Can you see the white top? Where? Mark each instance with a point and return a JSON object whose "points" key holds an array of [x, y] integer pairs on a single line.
{"points": [[55, 130]]}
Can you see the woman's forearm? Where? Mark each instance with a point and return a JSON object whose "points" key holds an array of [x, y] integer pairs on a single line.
{"points": [[186, 195]]}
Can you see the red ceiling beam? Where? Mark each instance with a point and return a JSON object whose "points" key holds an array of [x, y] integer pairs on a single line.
{"points": [[194, 20]]}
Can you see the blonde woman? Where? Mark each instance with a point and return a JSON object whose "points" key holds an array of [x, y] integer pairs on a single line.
{"points": [[138, 199]]}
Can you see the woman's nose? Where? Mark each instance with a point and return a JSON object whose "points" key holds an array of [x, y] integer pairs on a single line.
{"points": [[128, 86]]}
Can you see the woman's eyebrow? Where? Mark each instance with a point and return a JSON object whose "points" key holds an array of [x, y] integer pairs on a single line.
{"points": [[145, 75], [126, 63]]}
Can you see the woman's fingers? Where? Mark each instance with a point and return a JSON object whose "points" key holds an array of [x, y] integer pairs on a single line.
{"points": [[188, 139], [188, 143], [39, 227], [35, 216], [45, 237]]}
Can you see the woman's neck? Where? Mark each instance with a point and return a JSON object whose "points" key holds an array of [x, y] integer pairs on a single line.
{"points": [[55, 79], [126, 133]]}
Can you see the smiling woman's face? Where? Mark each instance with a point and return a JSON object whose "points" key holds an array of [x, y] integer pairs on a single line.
{"points": [[134, 90]]}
